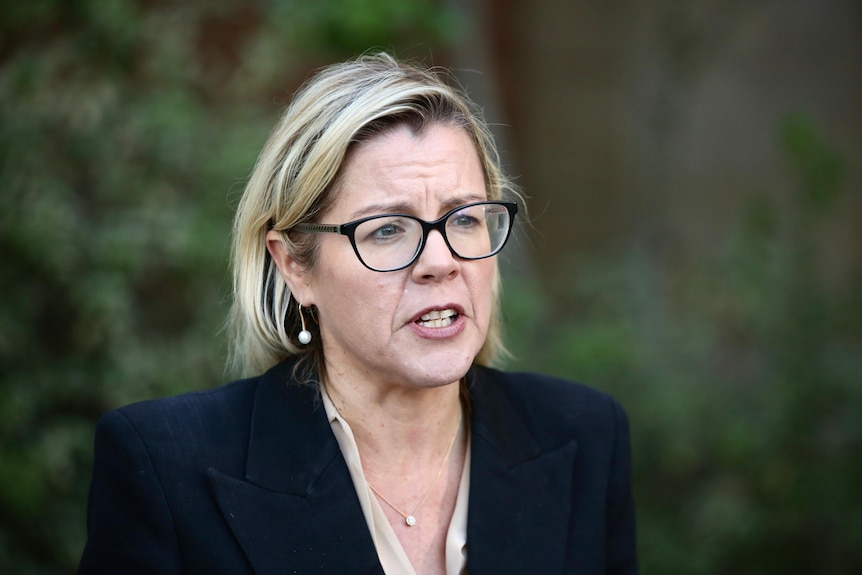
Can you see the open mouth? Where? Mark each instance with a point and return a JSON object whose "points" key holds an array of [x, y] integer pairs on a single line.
{"points": [[438, 318]]}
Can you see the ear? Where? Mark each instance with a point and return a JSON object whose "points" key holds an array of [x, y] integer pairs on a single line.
{"points": [[291, 271]]}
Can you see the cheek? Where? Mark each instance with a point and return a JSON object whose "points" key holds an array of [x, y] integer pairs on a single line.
{"points": [[352, 296], [483, 290], [335, 273]]}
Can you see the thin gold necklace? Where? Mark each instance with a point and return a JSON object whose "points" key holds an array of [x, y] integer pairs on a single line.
{"points": [[410, 518]]}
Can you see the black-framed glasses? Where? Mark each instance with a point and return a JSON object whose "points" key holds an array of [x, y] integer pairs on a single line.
{"points": [[391, 242]]}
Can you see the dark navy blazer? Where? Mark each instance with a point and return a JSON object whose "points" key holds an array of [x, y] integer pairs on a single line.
{"points": [[248, 478]]}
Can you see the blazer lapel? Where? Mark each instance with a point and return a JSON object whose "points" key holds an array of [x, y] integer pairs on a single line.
{"points": [[520, 494], [296, 510]]}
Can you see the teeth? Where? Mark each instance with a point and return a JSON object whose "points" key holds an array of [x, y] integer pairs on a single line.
{"points": [[439, 314], [438, 318]]}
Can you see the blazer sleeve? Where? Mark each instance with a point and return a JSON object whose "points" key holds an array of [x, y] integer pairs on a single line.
{"points": [[129, 525], [621, 540]]}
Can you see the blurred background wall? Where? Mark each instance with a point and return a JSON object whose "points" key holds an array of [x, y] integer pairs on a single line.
{"points": [[692, 246]]}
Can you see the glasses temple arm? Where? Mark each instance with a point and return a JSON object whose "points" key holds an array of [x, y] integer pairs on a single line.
{"points": [[315, 228]]}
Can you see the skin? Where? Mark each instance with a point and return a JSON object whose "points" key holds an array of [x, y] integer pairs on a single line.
{"points": [[368, 319], [395, 381]]}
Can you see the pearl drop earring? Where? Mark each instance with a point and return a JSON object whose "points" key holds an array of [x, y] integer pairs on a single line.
{"points": [[304, 336]]}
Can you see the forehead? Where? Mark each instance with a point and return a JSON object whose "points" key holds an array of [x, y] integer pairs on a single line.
{"points": [[405, 170]]}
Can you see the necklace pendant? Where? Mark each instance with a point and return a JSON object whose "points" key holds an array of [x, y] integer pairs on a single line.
{"points": [[410, 521]]}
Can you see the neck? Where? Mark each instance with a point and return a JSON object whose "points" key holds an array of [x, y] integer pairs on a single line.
{"points": [[398, 424]]}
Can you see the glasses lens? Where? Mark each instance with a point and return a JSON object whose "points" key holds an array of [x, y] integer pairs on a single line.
{"points": [[478, 231], [388, 242]]}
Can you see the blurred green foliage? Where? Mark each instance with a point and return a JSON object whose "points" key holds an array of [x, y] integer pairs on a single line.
{"points": [[741, 377], [126, 130]]}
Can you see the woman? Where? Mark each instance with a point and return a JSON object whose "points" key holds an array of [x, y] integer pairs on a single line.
{"points": [[376, 440]]}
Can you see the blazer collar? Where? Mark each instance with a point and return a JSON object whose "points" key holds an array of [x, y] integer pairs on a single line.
{"points": [[520, 486], [291, 442], [297, 507], [497, 421]]}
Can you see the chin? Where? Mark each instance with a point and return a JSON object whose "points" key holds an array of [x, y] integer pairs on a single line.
{"points": [[435, 370]]}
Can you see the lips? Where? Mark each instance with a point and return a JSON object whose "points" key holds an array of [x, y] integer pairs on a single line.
{"points": [[438, 318]]}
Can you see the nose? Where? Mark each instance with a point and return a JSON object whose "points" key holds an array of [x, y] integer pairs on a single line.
{"points": [[436, 260]]}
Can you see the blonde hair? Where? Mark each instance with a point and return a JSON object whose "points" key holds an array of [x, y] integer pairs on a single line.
{"points": [[296, 178]]}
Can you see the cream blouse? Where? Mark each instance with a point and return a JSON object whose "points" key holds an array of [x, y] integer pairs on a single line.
{"points": [[389, 550]]}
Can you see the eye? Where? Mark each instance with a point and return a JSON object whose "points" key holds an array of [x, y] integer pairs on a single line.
{"points": [[466, 219], [387, 231], [383, 230]]}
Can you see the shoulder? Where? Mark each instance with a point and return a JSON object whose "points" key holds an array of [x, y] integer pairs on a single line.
{"points": [[211, 424], [180, 433], [544, 393], [551, 407], [176, 415]]}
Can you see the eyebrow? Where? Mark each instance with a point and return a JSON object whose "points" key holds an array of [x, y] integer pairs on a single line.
{"points": [[406, 208]]}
